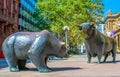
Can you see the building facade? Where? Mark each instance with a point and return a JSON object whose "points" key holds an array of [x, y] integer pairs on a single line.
{"points": [[113, 23], [26, 20], [8, 19]]}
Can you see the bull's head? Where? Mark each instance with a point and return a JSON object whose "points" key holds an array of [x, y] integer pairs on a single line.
{"points": [[88, 29]]}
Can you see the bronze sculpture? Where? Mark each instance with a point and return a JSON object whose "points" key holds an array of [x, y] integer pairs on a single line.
{"points": [[37, 46], [96, 43]]}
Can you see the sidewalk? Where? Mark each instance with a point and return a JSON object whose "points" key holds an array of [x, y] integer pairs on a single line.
{"points": [[75, 66], [3, 63]]}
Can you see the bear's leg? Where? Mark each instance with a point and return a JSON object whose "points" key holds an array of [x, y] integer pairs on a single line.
{"points": [[12, 63], [11, 60], [106, 55], [46, 60], [21, 65], [39, 62]]}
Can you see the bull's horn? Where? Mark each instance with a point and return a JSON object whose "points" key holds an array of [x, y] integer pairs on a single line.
{"points": [[63, 43]]}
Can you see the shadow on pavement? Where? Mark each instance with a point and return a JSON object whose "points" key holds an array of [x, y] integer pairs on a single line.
{"points": [[59, 69], [111, 62], [108, 62], [65, 68]]}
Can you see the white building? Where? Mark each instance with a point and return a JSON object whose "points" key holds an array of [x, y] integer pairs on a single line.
{"points": [[101, 28]]}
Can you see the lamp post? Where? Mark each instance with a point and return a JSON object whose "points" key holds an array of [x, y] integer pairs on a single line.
{"points": [[66, 28]]}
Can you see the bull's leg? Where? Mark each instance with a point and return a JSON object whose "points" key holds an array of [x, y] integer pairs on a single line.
{"points": [[114, 55], [99, 59], [21, 65], [89, 58], [105, 57], [40, 62], [113, 51]]}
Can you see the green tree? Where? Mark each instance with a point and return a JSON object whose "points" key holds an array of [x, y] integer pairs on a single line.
{"points": [[39, 21], [60, 13]]}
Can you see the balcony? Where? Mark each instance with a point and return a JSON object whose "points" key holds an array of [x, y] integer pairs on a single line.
{"points": [[10, 20], [6, 17], [3, 17]]}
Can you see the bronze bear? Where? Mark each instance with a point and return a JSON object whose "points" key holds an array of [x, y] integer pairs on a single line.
{"points": [[37, 46]]}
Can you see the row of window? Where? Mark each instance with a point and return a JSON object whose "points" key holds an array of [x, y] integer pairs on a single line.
{"points": [[26, 19], [27, 25], [26, 8], [31, 3]]}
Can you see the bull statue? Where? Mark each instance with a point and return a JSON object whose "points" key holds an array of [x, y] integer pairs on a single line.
{"points": [[97, 44], [36, 46]]}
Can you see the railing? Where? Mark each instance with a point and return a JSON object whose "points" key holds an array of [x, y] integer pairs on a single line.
{"points": [[3, 17], [11, 20], [1, 11]]}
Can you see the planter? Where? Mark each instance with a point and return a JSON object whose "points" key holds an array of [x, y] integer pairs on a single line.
{"points": [[1, 55]]}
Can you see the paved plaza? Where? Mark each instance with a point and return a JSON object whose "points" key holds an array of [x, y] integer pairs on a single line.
{"points": [[75, 66]]}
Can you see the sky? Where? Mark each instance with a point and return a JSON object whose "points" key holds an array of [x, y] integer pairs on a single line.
{"points": [[113, 5]]}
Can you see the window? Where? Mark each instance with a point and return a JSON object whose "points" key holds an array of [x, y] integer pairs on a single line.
{"points": [[4, 29], [13, 30]]}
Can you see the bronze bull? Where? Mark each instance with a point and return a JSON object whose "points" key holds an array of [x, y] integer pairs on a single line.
{"points": [[97, 44]]}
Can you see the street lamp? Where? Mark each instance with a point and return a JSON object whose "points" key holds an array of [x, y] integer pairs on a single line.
{"points": [[66, 28]]}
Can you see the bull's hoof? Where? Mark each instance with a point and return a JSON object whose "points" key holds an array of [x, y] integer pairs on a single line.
{"points": [[114, 61], [88, 62], [14, 69], [104, 61], [44, 70], [98, 62]]}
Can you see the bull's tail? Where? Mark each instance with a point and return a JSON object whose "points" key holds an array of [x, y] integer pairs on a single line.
{"points": [[114, 46], [113, 51]]}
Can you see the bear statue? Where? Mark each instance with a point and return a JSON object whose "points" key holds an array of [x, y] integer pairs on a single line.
{"points": [[36, 46]]}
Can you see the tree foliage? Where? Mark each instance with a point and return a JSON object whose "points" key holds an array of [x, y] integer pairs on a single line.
{"points": [[60, 13]]}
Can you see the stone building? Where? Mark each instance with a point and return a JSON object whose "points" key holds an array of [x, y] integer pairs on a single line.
{"points": [[8, 19], [113, 23]]}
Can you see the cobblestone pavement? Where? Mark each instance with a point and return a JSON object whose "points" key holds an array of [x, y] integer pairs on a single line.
{"points": [[75, 66]]}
